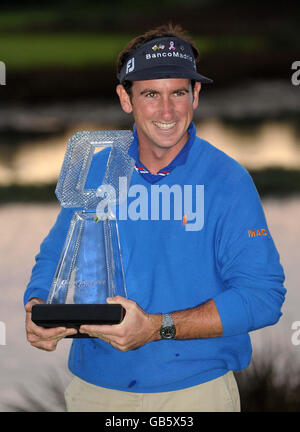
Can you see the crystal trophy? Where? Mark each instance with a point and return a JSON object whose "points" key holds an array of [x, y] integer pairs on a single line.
{"points": [[90, 267]]}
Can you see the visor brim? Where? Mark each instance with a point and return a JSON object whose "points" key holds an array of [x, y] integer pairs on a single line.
{"points": [[164, 72]]}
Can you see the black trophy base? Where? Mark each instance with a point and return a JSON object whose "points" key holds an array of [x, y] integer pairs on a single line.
{"points": [[75, 315]]}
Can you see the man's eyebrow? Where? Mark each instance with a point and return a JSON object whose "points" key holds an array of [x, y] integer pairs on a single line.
{"points": [[149, 90], [181, 89]]}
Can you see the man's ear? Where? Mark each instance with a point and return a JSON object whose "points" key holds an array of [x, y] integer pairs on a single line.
{"points": [[197, 89], [124, 99]]}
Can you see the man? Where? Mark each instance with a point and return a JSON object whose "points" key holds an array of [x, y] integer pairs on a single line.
{"points": [[196, 286]]}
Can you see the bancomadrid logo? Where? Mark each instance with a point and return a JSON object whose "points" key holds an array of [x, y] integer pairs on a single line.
{"points": [[169, 54], [2, 73]]}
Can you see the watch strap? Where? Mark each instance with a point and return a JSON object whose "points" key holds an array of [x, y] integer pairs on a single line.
{"points": [[167, 320]]}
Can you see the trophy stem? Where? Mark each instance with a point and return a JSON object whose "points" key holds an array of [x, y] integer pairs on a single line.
{"points": [[109, 257]]}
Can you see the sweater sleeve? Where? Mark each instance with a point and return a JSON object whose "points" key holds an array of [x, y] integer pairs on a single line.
{"points": [[248, 263], [48, 257]]}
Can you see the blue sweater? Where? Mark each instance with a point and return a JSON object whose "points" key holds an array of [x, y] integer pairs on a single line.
{"points": [[231, 258]]}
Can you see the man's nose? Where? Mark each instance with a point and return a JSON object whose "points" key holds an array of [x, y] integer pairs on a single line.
{"points": [[167, 109]]}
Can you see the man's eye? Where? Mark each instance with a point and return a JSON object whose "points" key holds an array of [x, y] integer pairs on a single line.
{"points": [[179, 93], [151, 95]]}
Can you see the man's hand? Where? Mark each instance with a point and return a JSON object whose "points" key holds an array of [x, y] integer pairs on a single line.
{"points": [[136, 329], [39, 337]]}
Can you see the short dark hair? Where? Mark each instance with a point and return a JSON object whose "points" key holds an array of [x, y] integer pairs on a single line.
{"points": [[166, 30]]}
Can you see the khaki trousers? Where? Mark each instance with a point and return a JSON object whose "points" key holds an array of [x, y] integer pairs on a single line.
{"points": [[218, 395]]}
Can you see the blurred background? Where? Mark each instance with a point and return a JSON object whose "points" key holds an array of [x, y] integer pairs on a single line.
{"points": [[60, 78]]}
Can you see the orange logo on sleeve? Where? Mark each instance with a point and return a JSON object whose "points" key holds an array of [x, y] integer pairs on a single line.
{"points": [[184, 220], [257, 232]]}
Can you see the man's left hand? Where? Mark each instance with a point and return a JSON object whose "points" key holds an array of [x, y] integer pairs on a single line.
{"points": [[136, 329]]}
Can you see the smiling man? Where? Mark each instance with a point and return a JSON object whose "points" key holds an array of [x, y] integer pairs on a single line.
{"points": [[163, 110], [193, 295]]}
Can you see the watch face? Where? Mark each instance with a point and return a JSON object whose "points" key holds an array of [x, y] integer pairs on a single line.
{"points": [[168, 332]]}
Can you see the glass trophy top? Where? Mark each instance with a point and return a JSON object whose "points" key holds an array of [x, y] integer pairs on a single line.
{"points": [[90, 267], [70, 189]]}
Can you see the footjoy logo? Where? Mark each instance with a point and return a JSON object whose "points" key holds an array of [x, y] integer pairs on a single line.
{"points": [[2, 333], [2, 73], [130, 65], [184, 204], [296, 75]]}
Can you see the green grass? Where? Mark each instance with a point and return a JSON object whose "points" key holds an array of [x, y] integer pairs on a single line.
{"points": [[58, 14], [40, 50], [14, 19], [29, 51]]}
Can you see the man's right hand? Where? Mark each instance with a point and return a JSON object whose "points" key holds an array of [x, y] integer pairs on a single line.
{"points": [[40, 337]]}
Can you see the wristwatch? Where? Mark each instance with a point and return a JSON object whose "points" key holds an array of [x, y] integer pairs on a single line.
{"points": [[167, 330]]}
